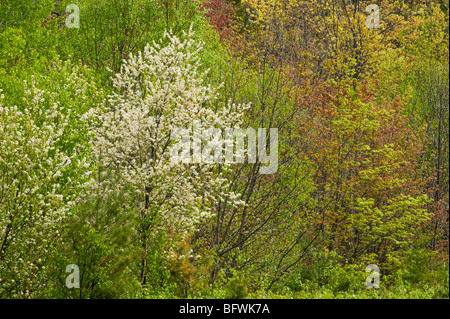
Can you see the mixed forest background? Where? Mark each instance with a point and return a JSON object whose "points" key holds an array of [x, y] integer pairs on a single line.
{"points": [[85, 121]]}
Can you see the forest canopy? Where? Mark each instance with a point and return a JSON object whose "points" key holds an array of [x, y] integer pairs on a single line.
{"points": [[224, 149]]}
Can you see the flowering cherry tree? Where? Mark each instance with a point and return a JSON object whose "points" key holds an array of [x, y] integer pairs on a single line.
{"points": [[157, 92], [36, 191]]}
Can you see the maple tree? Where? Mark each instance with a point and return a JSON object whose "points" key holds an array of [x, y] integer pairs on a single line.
{"points": [[220, 14], [365, 160]]}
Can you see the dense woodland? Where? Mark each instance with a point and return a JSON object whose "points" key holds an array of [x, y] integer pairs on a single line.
{"points": [[86, 178]]}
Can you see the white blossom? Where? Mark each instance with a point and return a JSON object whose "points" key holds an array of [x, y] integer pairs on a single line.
{"points": [[156, 91], [32, 200]]}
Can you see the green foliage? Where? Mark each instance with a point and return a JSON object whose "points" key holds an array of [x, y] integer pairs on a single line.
{"points": [[110, 30], [12, 46], [236, 288], [326, 272], [24, 37]]}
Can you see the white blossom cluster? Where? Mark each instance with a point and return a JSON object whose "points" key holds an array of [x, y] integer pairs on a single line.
{"points": [[34, 194], [157, 91]]}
